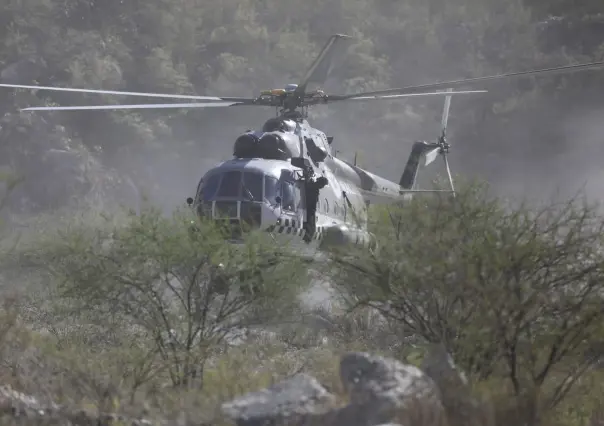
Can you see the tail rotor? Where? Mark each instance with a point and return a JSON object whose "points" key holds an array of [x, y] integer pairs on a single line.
{"points": [[442, 146], [429, 151], [443, 140]]}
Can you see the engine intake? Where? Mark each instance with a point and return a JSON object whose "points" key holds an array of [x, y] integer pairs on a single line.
{"points": [[270, 146], [246, 146], [274, 146]]}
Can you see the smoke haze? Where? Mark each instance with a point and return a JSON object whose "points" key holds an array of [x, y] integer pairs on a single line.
{"points": [[527, 137]]}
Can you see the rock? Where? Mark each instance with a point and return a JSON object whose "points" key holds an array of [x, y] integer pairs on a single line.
{"points": [[20, 406], [368, 378], [288, 402], [462, 409], [441, 368], [387, 389], [380, 391]]}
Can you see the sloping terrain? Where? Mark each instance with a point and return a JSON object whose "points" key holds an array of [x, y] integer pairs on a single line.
{"points": [[108, 312], [515, 136]]}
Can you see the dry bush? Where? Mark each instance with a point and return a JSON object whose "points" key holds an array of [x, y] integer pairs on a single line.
{"points": [[513, 292], [63, 370], [162, 290], [498, 285]]}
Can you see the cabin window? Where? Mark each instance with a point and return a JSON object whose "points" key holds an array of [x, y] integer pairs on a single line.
{"points": [[326, 206], [288, 197], [209, 187], [271, 189]]}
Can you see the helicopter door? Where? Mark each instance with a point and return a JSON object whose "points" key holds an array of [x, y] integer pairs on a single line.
{"points": [[301, 207], [291, 206]]}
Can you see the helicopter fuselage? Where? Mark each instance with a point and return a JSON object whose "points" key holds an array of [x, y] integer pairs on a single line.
{"points": [[285, 180], [271, 195]]}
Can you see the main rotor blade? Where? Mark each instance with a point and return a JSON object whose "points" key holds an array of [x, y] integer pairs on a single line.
{"points": [[445, 116], [114, 92], [458, 83], [405, 95], [139, 106], [319, 69]]}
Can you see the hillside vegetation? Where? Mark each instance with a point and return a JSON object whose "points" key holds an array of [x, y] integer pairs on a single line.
{"points": [[517, 131], [145, 316], [154, 315]]}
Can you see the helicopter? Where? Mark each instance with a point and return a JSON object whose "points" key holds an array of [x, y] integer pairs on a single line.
{"points": [[285, 178]]}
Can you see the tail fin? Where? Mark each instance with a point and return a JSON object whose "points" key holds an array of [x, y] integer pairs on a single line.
{"points": [[418, 150], [429, 151]]}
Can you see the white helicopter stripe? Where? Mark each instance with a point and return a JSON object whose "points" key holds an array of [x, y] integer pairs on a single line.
{"points": [[295, 231], [289, 230]]}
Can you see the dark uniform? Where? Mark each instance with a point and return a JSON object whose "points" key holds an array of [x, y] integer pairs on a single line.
{"points": [[312, 199]]}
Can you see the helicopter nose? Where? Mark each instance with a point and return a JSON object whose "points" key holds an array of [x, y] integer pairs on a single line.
{"points": [[252, 215]]}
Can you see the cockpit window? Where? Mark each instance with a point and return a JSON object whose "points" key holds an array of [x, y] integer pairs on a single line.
{"points": [[230, 185], [209, 187], [252, 186]]}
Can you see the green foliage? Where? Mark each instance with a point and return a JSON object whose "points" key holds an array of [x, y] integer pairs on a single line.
{"points": [[476, 274], [240, 48], [181, 287], [513, 292]]}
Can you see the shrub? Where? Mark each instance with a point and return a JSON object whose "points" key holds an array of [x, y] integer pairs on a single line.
{"points": [[177, 292], [513, 292]]}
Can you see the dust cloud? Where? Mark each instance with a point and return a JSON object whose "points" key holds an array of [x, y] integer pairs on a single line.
{"points": [[550, 147], [555, 158]]}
